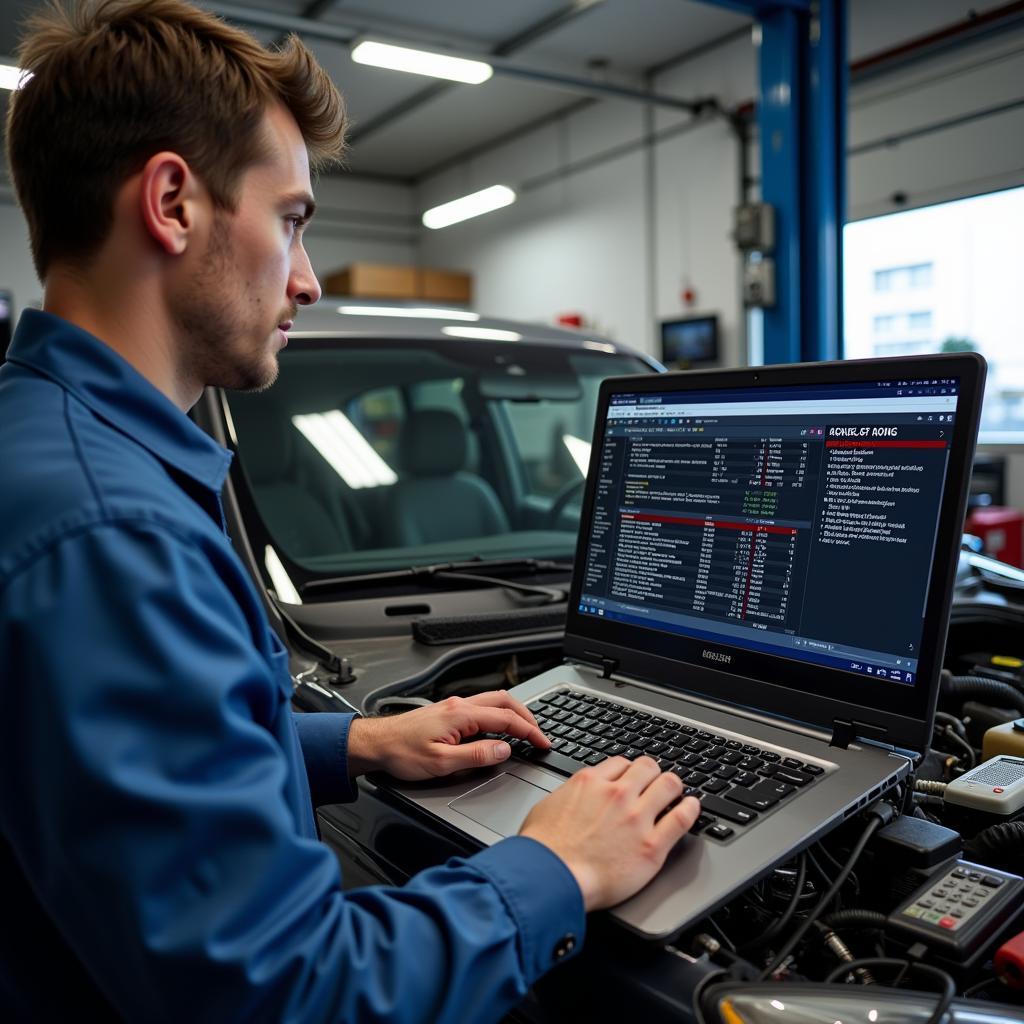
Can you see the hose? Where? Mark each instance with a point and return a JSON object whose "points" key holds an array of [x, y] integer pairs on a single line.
{"points": [[932, 786], [856, 918], [1001, 694], [1001, 844]]}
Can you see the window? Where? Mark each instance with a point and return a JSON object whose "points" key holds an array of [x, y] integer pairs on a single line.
{"points": [[943, 278], [919, 275]]}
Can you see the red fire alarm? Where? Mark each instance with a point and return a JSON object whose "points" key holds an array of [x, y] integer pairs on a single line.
{"points": [[688, 295]]}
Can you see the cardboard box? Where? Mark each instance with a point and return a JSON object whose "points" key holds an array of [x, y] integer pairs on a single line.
{"points": [[382, 281], [373, 281], [445, 286]]}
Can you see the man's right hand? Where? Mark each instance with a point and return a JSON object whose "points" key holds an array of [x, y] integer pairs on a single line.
{"points": [[601, 822]]}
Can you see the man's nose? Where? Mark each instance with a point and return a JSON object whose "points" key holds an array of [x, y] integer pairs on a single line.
{"points": [[303, 287]]}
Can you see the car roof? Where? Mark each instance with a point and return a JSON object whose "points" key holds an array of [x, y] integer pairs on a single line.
{"points": [[359, 319]]}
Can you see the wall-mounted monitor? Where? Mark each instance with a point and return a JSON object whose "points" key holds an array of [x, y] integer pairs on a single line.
{"points": [[689, 342]]}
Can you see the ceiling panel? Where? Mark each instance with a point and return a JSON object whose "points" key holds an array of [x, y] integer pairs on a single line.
{"points": [[637, 35], [458, 120], [457, 22]]}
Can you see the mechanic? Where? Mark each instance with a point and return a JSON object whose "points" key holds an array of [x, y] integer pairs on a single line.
{"points": [[159, 857]]}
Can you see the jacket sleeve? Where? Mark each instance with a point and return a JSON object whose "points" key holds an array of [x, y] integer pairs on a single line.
{"points": [[323, 737], [147, 774]]}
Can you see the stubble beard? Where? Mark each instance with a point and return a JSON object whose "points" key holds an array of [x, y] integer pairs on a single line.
{"points": [[214, 326]]}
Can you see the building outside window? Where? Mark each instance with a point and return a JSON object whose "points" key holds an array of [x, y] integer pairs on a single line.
{"points": [[944, 278]]}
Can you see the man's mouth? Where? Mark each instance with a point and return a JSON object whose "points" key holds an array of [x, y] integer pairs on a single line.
{"points": [[286, 325]]}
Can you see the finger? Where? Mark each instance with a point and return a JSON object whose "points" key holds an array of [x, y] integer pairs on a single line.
{"points": [[503, 699], [506, 720], [478, 754], [660, 793], [640, 774], [612, 769], [674, 825]]}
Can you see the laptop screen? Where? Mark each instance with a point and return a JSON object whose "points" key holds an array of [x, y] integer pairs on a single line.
{"points": [[798, 521]]}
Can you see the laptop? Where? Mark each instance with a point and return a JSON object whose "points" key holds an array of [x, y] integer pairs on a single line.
{"points": [[760, 599]]}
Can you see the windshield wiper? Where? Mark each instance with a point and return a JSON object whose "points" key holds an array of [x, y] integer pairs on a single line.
{"points": [[456, 571]]}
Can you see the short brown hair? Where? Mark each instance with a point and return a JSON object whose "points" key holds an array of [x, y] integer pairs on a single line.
{"points": [[115, 81]]}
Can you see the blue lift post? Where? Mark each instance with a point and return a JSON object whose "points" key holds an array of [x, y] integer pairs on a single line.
{"points": [[802, 117]]}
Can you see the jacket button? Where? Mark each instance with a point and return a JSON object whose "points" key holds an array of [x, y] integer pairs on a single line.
{"points": [[565, 945]]}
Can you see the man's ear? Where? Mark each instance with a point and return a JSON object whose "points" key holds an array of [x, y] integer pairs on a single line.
{"points": [[171, 198]]}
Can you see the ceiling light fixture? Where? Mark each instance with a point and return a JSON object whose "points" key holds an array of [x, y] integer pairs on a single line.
{"points": [[421, 62], [427, 312], [12, 77], [483, 333], [473, 205]]}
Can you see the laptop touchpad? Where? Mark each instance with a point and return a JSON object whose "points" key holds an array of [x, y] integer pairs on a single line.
{"points": [[501, 804]]}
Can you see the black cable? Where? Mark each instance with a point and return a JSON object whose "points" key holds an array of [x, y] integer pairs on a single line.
{"points": [[828, 856], [873, 826], [726, 941], [949, 734], [821, 848], [780, 925], [951, 720], [825, 876], [945, 997]]}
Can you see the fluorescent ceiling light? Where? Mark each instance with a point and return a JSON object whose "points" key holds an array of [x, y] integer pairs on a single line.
{"points": [[427, 312], [483, 333], [579, 450], [484, 201], [13, 78], [347, 452], [599, 346], [421, 62], [282, 582]]}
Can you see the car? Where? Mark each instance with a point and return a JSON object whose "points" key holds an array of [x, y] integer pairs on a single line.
{"points": [[407, 495]]}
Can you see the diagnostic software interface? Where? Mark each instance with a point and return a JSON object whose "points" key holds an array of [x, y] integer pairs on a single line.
{"points": [[798, 521]]}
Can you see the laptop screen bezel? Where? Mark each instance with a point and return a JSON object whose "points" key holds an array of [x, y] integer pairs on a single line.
{"points": [[778, 685]]}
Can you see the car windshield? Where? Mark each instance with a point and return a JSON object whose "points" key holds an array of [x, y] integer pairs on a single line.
{"points": [[369, 456]]}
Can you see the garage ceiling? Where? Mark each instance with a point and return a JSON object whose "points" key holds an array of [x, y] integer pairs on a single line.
{"points": [[404, 126]]}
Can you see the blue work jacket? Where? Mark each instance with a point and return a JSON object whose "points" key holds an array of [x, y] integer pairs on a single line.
{"points": [[158, 852]]}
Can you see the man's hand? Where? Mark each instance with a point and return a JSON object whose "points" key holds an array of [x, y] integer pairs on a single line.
{"points": [[427, 743], [601, 822]]}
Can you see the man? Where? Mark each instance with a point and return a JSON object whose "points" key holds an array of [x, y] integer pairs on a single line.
{"points": [[158, 853]]}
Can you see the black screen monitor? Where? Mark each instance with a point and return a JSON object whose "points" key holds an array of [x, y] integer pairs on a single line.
{"points": [[693, 340]]}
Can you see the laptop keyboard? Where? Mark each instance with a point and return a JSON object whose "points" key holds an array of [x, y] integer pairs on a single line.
{"points": [[735, 781]]}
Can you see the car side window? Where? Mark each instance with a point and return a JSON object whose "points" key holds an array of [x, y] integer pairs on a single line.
{"points": [[547, 436]]}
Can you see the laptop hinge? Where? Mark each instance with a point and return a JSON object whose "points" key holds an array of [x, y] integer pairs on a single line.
{"points": [[606, 664], [845, 732]]}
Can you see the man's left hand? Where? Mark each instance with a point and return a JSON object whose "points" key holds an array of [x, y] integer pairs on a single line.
{"points": [[429, 742]]}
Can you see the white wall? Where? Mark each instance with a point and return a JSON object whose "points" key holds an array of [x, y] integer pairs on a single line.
{"points": [[618, 241]]}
